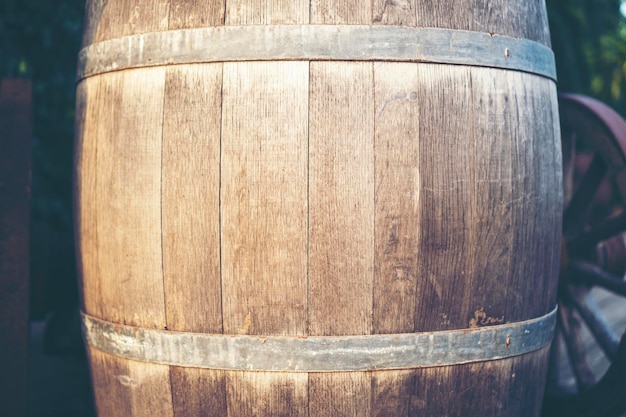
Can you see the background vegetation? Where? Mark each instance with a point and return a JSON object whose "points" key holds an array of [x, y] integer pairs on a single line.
{"points": [[589, 42], [40, 39]]}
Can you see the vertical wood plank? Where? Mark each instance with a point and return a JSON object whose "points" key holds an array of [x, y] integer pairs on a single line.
{"points": [[191, 225], [110, 380], [128, 220], [190, 219], [129, 200], [198, 392], [263, 198], [278, 394], [527, 398], [341, 216], [264, 211], [463, 390], [341, 209], [397, 197], [447, 207], [340, 394], [493, 388], [397, 229], [92, 103], [352, 12], [129, 388], [115, 18], [519, 19], [184, 14], [191, 262], [150, 393], [553, 263], [392, 392], [397, 12], [267, 12], [191, 222], [537, 219], [341, 256], [93, 15], [15, 173], [492, 196], [264, 205]]}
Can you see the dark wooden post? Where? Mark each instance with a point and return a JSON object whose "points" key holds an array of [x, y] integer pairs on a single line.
{"points": [[15, 168]]}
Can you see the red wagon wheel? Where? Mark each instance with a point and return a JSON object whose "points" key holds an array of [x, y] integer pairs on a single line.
{"points": [[587, 375]]}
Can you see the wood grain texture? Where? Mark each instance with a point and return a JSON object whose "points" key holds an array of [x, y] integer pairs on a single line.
{"points": [[392, 392], [267, 12], [190, 198], [536, 223], [397, 228], [252, 394], [341, 223], [190, 219], [341, 199], [98, 94], [198, 392], [397, 198], [129, 200], [15, 184], [128, 388], [263, 198], [191, 225], [88, 101], [492, 196], [341, 210], [340, 12], [112, 18], [527, 19], [110, 379], [394, 12], [497, 388], [554, 158], [446, 208], [184, 14], [340, 394], [93, 15], [502, 203]]}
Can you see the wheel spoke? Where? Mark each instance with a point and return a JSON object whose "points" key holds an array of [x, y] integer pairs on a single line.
{"points": [[596, 276], [596, 322], [574, 216], [568, 146], [597, 234], [575, 348], [594, 255]]}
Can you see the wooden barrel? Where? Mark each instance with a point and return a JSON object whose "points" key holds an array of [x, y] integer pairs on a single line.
{"points": [[326, 208]]}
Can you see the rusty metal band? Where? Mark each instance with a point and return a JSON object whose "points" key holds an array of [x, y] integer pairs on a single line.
{"points": [[316, 43], [320, 353]]}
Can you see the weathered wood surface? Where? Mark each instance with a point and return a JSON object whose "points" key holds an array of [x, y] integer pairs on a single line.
{"points": [[322, 198], [15, 165]]}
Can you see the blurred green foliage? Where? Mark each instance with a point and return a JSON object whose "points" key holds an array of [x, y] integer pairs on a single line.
{"points": [[40, 39], [589, 42]]}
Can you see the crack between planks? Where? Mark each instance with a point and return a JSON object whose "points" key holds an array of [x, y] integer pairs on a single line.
{"points": [[308, 224], [165, 78], [373, 118], [163, 107], [219, 221]]}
